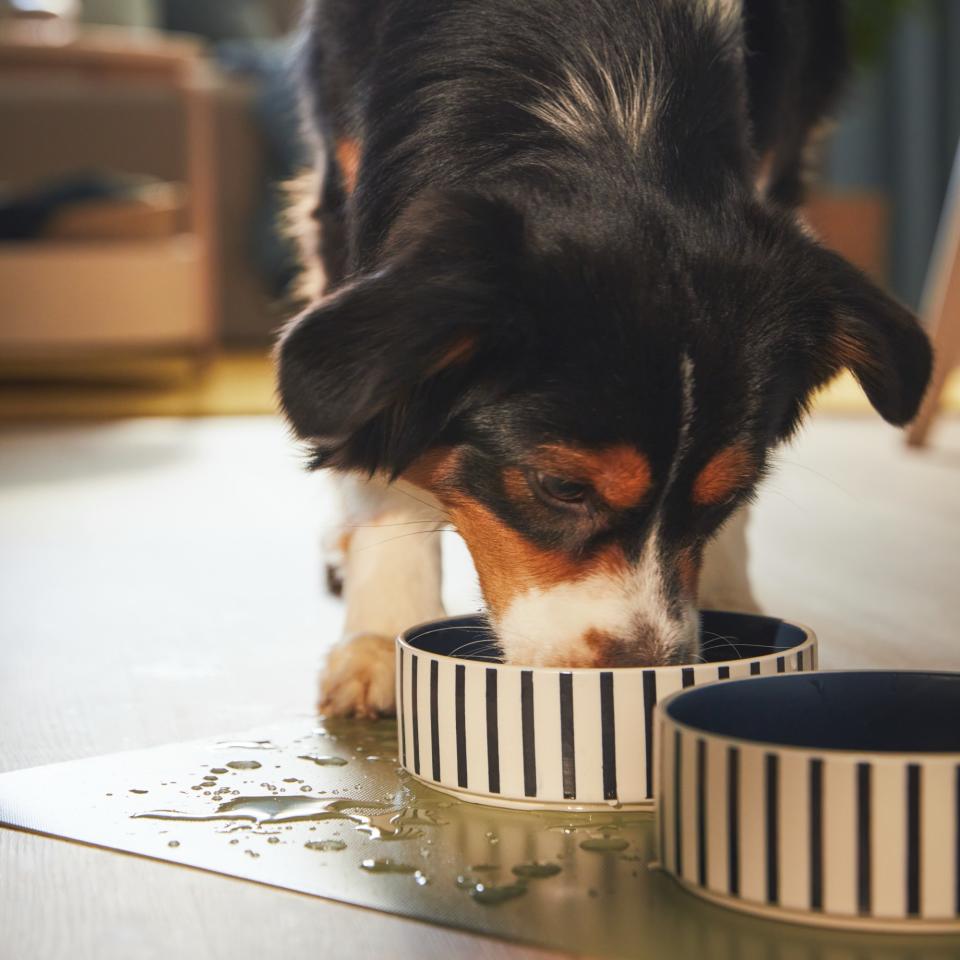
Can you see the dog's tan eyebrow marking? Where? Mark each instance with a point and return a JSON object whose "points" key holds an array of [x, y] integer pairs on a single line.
{"points": [[620, 474], [347, 151], [727, 471]]}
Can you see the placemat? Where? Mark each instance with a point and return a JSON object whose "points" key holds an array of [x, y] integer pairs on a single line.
{"points": [[322, 808]]}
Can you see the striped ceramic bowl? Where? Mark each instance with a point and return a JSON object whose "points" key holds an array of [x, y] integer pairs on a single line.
{"points": [[831, 799], [550, 737]]}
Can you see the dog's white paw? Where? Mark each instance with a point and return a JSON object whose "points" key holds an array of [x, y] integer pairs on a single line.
{"points": [[358, 678]]}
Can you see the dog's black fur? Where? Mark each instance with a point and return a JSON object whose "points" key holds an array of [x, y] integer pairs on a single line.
{"points": [[573, 273]]}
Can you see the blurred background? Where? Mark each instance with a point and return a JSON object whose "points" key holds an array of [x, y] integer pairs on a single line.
{"points": [[146, 142], [144, 148]]}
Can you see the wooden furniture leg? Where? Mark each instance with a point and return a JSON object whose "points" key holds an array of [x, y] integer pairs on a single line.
{"points": [[941, 307]]}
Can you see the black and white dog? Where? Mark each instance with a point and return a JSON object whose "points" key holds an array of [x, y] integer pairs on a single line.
{"points": [[568, 309]]}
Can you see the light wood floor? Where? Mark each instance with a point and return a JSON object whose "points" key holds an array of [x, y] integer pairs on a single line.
{"points": [[160, 582]]}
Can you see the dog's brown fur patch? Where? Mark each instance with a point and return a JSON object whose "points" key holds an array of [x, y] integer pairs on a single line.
{"points": [[348, 160], [507, 563], [605, 649], [852, 353], [435, 471], [620, 474], [730, 469]]}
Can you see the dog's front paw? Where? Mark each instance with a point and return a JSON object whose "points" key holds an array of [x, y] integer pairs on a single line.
{"points": [[358, 678]]}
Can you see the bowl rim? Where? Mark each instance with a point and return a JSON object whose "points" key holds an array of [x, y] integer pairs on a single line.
{"points": [[809, 640], [663, 718]]}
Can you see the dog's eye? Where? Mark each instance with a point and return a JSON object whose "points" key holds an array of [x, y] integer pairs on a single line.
{"points": [[559, 488]]}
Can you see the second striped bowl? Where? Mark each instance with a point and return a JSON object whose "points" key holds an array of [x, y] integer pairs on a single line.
{"points": [[549, 737], [830, 799]]}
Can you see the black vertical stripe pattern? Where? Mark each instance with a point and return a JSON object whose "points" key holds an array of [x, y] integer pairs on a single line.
{"points": [[568, 757], [461, 720], [733, 820], [956, 859], [608, 736], [661, 820], [913, 839], [434, 719], [649, 704], [816, 833], [416, 713], [677, 802], [772, 818], [402, 715], [527, 734], [493, 733], [864, 864], [409, 670], [702, 812]]}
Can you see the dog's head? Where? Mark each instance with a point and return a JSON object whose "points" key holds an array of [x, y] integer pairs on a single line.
{"points": [[589, 398]]}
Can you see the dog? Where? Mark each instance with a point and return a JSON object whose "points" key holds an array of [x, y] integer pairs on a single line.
{"points": [[569, 310]]}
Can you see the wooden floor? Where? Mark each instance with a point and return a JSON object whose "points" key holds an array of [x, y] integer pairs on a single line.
{"points": [[160, 582]]}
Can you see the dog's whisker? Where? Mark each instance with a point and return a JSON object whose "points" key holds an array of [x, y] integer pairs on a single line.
{"points": [[816, 473], [445, 628], [423, 503], [751, 646], [485, 651], [717, 638], [383, 526], [401, 536]]}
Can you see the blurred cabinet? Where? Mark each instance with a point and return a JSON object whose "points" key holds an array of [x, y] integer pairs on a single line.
{"points": [[134, 102]]}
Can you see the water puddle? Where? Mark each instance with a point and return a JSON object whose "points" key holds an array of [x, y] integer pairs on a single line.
{"points": [[273, 809], [492, 895], [257, 815], [418, 817], [245, 745], [392, 866], [324, 761], [326, 846], [376, 829], [604, 844], [536, 871]]}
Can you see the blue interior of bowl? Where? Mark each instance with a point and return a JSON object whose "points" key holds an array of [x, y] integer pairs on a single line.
{"points": [[876, 711], [724, 637]]}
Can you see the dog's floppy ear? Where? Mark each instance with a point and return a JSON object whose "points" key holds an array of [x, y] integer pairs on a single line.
{"points": [[372, 374], [839, 319], [879, 341]]}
